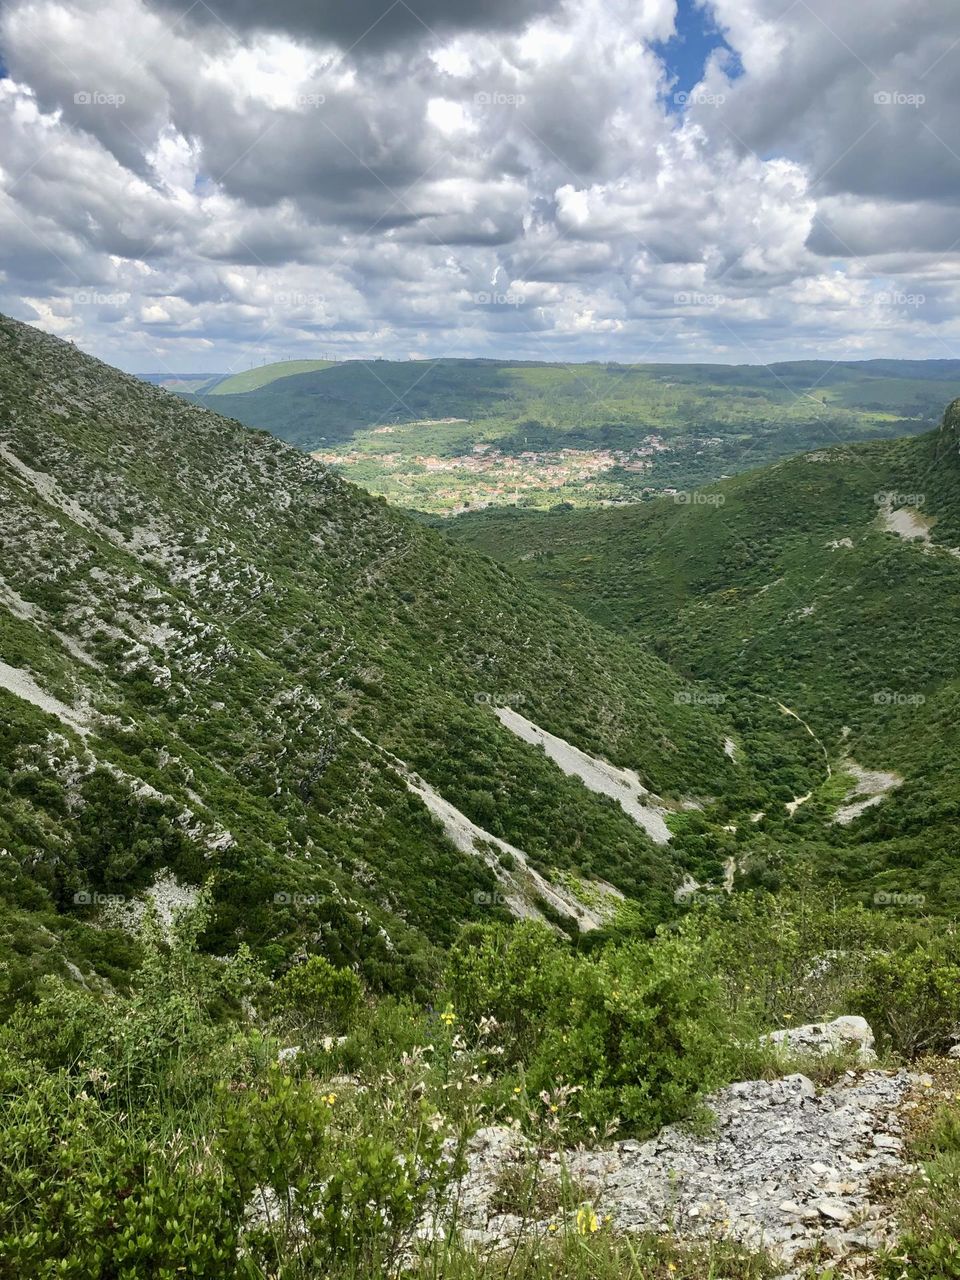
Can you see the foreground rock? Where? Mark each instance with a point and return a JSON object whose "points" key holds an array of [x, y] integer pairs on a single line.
{"points": [[846, 1034], [783, 1167]]}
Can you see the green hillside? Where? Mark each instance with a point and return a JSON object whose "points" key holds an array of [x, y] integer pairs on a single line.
{"points": [[218, 658], [328, 853], [790, 583], [253, 379]]}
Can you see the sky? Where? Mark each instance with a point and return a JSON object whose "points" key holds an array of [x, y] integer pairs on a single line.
{"points": [[203, 187]]}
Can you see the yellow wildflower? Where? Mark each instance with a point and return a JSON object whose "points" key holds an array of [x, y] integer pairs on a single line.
{"points": [[448, 1016], [330, 1099], [587, 1220]]}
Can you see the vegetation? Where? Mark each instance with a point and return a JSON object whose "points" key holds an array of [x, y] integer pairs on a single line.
{"points": [[256, 999], [186, 1143], [255, 648], [787, 589], [584, 434]]}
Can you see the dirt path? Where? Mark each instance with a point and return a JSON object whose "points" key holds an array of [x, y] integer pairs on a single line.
{"points": [[793, 805]]}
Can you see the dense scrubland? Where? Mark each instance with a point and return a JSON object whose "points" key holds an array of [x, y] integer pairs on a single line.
{"points": [[255, 998]]}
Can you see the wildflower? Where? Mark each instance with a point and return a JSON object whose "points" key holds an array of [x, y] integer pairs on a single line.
{"points": [[330, 1099], [552, 1226], [671, 1266], [448, 1017], [587, 1220], [517, 1090], [554, 1109]]}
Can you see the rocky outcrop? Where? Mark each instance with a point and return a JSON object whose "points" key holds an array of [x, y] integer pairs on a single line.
{"points": [[846, 1034], [783, 1166]]}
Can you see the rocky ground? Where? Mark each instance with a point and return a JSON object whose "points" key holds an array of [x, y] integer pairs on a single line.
{"points": [[782, 1165]]}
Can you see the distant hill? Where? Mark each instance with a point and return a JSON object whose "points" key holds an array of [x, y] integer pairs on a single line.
{"points": [[443, 434], [253, 379]]}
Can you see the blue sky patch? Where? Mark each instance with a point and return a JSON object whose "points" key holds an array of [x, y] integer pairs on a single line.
{"points": [[685, 54]]}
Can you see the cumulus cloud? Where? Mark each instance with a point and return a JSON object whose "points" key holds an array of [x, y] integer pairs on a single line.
{"points": [[239, 183]]}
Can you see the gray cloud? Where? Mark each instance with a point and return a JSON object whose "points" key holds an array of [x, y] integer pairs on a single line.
{"points": [[247, 193], [365, 24]]}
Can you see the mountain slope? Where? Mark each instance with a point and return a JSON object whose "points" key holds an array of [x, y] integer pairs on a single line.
{"points": [[262, 376], [829, 583], [222, 662], [309, 402]]}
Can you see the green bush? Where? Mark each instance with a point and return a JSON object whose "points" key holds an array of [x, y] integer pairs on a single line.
{"points": [[84, 1194], [638, 1030], [911, 996], [319, 996]]}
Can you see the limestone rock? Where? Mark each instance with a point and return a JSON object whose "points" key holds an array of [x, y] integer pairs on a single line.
{"points": [[821, 1038], [782, 1167]]}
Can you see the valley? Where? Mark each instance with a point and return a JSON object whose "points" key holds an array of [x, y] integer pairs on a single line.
{"points": [[450, 435], [337, 840], [479, 640]]}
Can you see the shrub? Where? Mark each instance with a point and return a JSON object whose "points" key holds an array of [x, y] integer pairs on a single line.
{"points": [[82, 1195], [320, 997], [911, 996], [640, 1031], [637, 1029]]}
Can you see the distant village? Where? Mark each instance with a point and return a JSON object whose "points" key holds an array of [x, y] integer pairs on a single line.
{"points": [[486, 475]]}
